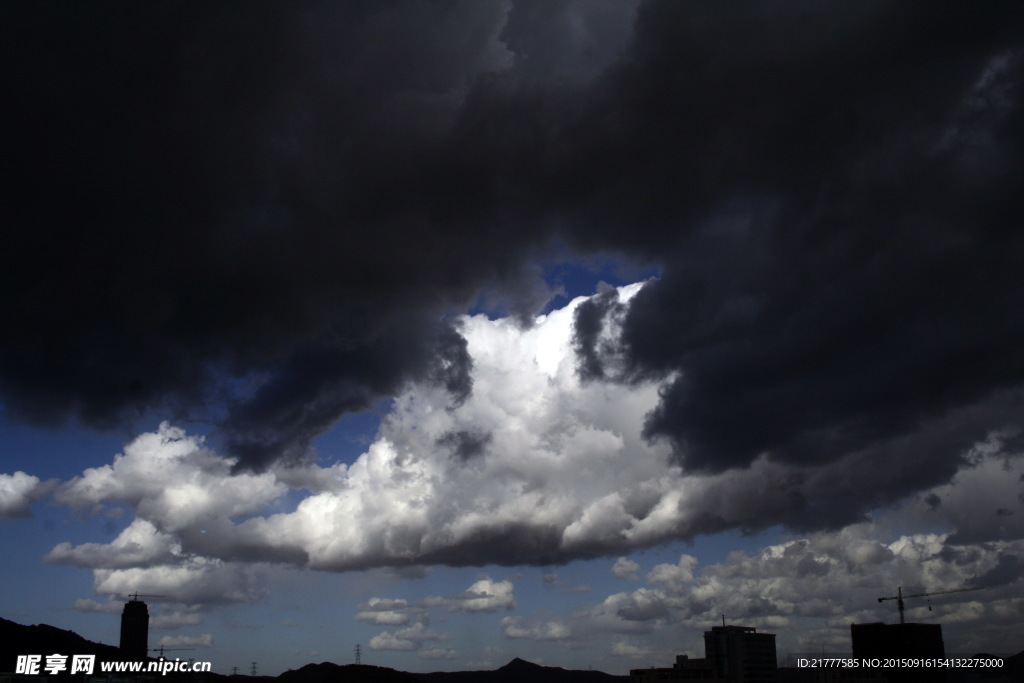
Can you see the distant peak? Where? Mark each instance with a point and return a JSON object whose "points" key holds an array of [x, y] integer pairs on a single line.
{"points": [[518, 663]]}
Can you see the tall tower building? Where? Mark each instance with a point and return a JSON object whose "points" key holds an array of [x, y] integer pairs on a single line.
{"points": [[740, 653], [135, 630]]}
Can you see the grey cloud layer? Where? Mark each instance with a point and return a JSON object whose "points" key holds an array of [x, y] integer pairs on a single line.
{"points": [[262, 214]]}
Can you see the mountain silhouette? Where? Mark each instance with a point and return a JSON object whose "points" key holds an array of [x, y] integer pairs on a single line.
{"points": [[328, 672], [18, 639], [521, 670], [42, 639]]}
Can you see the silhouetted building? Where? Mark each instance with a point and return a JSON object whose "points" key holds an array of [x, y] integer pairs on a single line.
{"points": [[741, 654], [732, 654], [900, 641], [694, 669], [897, 640], [685, 669], [662, 674], [135, 630]]}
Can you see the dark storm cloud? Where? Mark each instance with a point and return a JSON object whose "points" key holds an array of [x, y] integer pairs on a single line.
{"points": [[1008, 570], [321, 381], [210, 202], [590, 320], [836, 274], [275, 204]]}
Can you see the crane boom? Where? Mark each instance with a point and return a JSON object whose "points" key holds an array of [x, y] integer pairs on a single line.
{"points": [[135, 596], [899, 596]]}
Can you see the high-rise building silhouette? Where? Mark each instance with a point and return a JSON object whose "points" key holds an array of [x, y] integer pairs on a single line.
{"points": [[732, 654], [135, 630], [740, 653]]}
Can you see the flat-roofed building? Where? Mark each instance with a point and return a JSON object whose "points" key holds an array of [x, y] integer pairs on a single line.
{"points": [[741, 654]]}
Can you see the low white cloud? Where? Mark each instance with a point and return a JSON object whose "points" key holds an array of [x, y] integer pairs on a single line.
{"points": [[515, 627], [438, 653], [86, 605], [17, 491], [169, 619], [172, 481], [808, 590], [385, 612], [163, 616], [411, 638], [674, 575], [388, 641], [140, 544], [385, 604], [204, 640], [194, 580], [623, 648], [625, 568], [640, 605], [484, 595], [384, 618]]}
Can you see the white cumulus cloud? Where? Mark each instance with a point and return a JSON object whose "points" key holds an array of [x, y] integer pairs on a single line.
{"points": [[383, 611], [140, 544], [204, 640], [809, 590], [17, 491], [485, 595], [171, 480], [514, 627], [194, 580], [625, 568], [534, 467], [411, 638]]}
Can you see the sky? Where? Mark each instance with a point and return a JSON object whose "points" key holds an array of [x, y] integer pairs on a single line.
{"points": [[467, 331]]}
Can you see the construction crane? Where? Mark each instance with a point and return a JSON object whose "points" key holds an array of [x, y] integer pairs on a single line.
{"points": [[899, 597], [135, 596]]}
